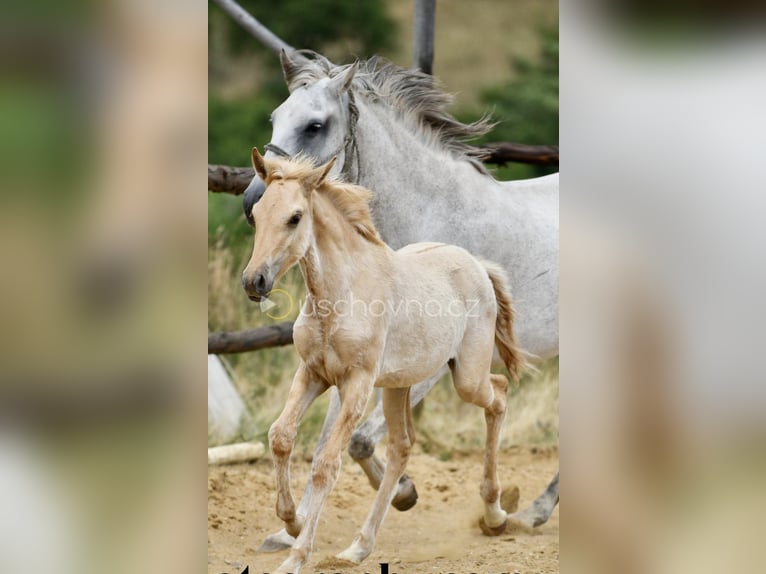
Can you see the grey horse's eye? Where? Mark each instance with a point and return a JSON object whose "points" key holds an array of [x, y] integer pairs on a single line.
{"points": [[314, 128]]}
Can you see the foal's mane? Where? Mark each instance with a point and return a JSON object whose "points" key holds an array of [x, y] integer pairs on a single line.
{"points": [[416, 97], [350, 200]]}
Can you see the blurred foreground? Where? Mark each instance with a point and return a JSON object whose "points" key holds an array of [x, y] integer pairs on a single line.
{"points": [[663, 138], [102, 233]]}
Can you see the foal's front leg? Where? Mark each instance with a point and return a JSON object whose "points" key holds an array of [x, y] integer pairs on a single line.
{"points": [[354, 392], [282, 540], [401, 437], [362, 450], [303, 392], [364, 439]]}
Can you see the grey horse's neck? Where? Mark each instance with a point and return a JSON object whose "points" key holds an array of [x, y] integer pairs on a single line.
{"points": [[424, 193], [411, 178]]}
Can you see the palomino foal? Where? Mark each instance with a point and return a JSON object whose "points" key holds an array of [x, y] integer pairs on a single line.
{"points": [[373, 317]]}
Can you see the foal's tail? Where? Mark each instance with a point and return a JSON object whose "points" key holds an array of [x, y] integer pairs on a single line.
{"points": [[512, 356]]}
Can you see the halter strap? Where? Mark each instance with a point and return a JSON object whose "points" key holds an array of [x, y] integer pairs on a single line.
{"points": [[272, 147]]}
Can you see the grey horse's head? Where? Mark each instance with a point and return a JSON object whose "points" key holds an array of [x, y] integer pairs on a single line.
{"points": [[313, 120]]}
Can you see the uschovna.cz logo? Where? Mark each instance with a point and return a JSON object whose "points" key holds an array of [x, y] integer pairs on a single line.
{"points": [[280, 304]]}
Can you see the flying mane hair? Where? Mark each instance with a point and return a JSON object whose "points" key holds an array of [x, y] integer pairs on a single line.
{"points": [[352, 201], [416, 97]]}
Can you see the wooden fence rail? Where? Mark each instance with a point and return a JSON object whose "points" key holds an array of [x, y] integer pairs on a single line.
{"points": [[234, 180], [227, 179], [501, 153], [278, 335]]}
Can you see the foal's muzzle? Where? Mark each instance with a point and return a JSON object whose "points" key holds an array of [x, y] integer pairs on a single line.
{"points": [[257, 285]]}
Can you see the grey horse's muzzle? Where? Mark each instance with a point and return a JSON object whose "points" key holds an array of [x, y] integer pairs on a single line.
{"points": [[253, 194], [257, 188]]}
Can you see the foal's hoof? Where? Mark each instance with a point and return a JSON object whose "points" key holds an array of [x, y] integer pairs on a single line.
{"points": [[489, 531], [408, 498]]}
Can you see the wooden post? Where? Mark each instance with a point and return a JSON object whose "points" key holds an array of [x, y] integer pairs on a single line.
{"points": [[423, 35], [226, 411]]}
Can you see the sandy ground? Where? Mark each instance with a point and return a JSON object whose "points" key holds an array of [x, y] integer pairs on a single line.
{"points": [[439, 535]]}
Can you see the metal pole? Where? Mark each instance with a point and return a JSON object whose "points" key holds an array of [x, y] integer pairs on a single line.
{"points": [[423, 35], [253, 26]]}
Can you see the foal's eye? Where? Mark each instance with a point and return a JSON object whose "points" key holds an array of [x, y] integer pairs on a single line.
{"points": [[294, 220], [314, 128]]}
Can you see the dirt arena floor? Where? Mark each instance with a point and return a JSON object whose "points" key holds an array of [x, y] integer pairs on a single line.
{"points": [[439, 535]]}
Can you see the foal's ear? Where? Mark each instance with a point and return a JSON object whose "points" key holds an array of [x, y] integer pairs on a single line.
{"points": [[318, 176], [342, 82], [258, 164]]}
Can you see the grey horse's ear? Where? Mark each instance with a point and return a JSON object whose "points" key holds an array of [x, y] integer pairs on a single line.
{"points": [[290, 67], [342, 82], [258, 164]]}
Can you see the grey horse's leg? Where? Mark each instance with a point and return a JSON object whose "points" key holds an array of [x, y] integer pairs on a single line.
{"points": [[369, 433], [282, 540], [541, 509]]}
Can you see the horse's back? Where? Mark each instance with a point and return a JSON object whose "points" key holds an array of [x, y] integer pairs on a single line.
{"points": [[439, 261], [546, 185], [447, 274]]}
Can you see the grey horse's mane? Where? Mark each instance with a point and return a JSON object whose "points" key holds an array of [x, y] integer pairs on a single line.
{"points": [[416, 97]]}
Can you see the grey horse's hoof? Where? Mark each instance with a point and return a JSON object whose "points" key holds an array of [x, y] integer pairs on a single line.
{"points": [[407, 499], [277, 542], [489, 531]]}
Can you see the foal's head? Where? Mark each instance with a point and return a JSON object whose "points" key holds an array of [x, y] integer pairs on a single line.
{"points": [[283, 221]]}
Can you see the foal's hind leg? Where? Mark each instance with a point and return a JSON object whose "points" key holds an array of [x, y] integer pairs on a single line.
{"points": [[489, 392], [495, 518]]}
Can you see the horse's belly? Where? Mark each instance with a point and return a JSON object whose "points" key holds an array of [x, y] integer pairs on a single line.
{"points": [[409, 360], [406, 375]]}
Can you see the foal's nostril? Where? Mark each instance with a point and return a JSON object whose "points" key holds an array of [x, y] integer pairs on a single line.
{"points": [[256, 284]]}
